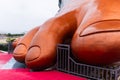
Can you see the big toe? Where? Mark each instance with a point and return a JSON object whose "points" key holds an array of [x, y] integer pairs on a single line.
{"points": [[33, 59], [33, 54], [20, 53], [38, 59]]}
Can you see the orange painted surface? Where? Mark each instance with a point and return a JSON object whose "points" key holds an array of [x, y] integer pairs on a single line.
{"points": [[93, 26]]}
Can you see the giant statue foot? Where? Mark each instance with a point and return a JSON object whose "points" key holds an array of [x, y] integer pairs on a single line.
{"points": [[93, 26], [38, 47]]}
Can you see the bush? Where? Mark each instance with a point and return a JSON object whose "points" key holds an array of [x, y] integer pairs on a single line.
{"points": [[4, 47], [10, 39]]}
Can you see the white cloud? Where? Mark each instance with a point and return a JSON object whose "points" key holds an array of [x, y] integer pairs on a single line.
{"points": [[22, 15]]}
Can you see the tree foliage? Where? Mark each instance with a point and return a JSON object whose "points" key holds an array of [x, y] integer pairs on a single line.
{"points": [[12, 35]]}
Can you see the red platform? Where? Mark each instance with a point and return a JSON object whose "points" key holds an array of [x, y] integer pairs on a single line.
{"points": [[4, 58], [26, 74]]}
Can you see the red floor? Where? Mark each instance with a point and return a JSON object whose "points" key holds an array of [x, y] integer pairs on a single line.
{"points": [[42, 75], [4, 58], [25, 74]]}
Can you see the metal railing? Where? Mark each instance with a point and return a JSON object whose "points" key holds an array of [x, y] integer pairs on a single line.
{"points": [[66, 63]]}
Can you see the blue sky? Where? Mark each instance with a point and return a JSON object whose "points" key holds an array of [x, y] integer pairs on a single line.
{"points": [[17, 16]]}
